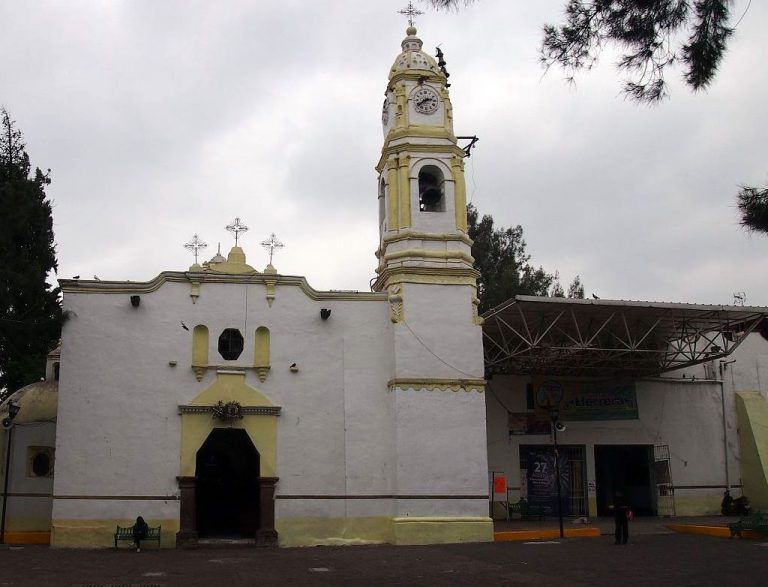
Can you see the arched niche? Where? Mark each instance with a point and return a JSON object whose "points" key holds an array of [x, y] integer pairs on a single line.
{"points": [[431, 182], [199, 350], [261, 353]]}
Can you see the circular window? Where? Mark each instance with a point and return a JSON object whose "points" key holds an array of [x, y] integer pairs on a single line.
{"points": [[41, 464], [230, 344]]}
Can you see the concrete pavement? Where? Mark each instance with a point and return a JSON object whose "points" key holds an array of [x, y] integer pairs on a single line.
{"points": [[649, 558]]}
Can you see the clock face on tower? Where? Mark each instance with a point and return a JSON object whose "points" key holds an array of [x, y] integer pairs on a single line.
{"points": [[385, 112], [425, 100]]}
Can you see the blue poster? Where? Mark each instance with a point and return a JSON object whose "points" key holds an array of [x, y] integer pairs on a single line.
{"points": [[542, 486]]}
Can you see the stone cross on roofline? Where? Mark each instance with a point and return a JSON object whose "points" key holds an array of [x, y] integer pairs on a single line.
{"points": [[272, 243], [410, 11], [195, 245], [237, 227]]}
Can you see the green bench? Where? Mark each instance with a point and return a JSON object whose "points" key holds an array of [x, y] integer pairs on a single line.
{"points": [[757, 522], [125, 533], [526, 511]]}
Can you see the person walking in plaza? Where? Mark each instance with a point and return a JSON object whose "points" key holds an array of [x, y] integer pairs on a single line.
{"points": [[621, 515], [140, 531]]}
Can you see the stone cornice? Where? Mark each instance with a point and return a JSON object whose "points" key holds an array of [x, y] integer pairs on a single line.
{"points": [[415, 75], [408, 147], [419, 254], [417, 384], [73, 286], [426, 236], [426, 275]]}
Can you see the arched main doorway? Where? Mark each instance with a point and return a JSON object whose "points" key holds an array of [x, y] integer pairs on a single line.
{"points": [[227, 486]]}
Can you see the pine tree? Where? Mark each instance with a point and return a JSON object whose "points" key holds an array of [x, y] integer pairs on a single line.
{"points": [[30, 310], [753, 206], [503, 263], [653, 35]]}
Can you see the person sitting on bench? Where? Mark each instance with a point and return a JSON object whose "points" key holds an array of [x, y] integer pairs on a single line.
{"points": [[140, 531]]}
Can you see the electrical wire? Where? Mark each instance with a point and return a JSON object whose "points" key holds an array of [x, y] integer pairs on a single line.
{"points": [[439, 358], [738, 22]]}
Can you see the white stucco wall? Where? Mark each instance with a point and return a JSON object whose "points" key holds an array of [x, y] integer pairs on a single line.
{"points": [[119, 430], [683, 414], [745, 369], [29, 503]]}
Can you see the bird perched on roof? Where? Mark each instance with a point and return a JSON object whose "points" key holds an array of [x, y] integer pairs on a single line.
{"points": [[594, 296]]}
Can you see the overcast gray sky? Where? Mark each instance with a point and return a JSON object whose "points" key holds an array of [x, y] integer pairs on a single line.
{"points": [[161, 119]]}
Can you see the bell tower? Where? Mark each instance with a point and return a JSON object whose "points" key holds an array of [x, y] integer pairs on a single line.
{"points": [[422, 194], [426, 268]]}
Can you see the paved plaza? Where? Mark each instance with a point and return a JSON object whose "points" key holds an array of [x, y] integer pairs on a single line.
{"points": [[649, 559]]}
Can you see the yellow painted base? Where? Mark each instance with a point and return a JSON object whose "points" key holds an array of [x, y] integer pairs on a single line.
{"points": [[752, 413], [101, 533], [499, 509], [442, 530], [720, 531], [382, 530], [15, 538], [704, 530], [546, 534], [333, 531]]}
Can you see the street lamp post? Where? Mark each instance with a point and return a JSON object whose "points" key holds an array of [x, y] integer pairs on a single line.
{"points": [[13, 411], [554, 416], [548, 397]]}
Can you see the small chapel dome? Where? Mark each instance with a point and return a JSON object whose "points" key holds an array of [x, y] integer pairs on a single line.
{"points": [[413, 58], [217, 258], [39, 402]]}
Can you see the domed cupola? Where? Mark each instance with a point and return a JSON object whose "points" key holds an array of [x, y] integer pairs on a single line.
{"points": [[413, 58]]}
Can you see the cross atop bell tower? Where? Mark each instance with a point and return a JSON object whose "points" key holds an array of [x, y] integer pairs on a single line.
{"points": [[410, 11]]}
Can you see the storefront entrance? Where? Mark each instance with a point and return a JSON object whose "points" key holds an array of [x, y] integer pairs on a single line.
{"points": [[625, 468], [227, 487]]}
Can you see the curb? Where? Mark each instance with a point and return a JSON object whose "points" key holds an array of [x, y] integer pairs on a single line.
{"points": [[719, 531], [514, 536]]}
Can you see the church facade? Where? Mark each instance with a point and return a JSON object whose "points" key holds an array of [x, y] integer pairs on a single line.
{"points": [[224, 401]]}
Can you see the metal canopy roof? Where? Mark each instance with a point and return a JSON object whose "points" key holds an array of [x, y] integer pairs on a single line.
{"points": [[610, 338]]}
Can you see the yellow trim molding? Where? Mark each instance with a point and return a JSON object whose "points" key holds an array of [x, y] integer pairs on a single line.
{"points": [[406, 147], [477, 385]]}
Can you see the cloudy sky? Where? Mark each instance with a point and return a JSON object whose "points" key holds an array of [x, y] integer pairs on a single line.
{"points": [[161, 119]]}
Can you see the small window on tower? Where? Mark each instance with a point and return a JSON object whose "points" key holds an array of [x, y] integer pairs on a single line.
{"points": [[431, 189], [230, 344], [382, 206]]}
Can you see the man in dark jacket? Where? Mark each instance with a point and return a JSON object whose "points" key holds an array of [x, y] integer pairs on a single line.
{"points": [[621, 517]]}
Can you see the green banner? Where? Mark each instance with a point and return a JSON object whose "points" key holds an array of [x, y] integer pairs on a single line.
{"points": [[590, 401]]}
